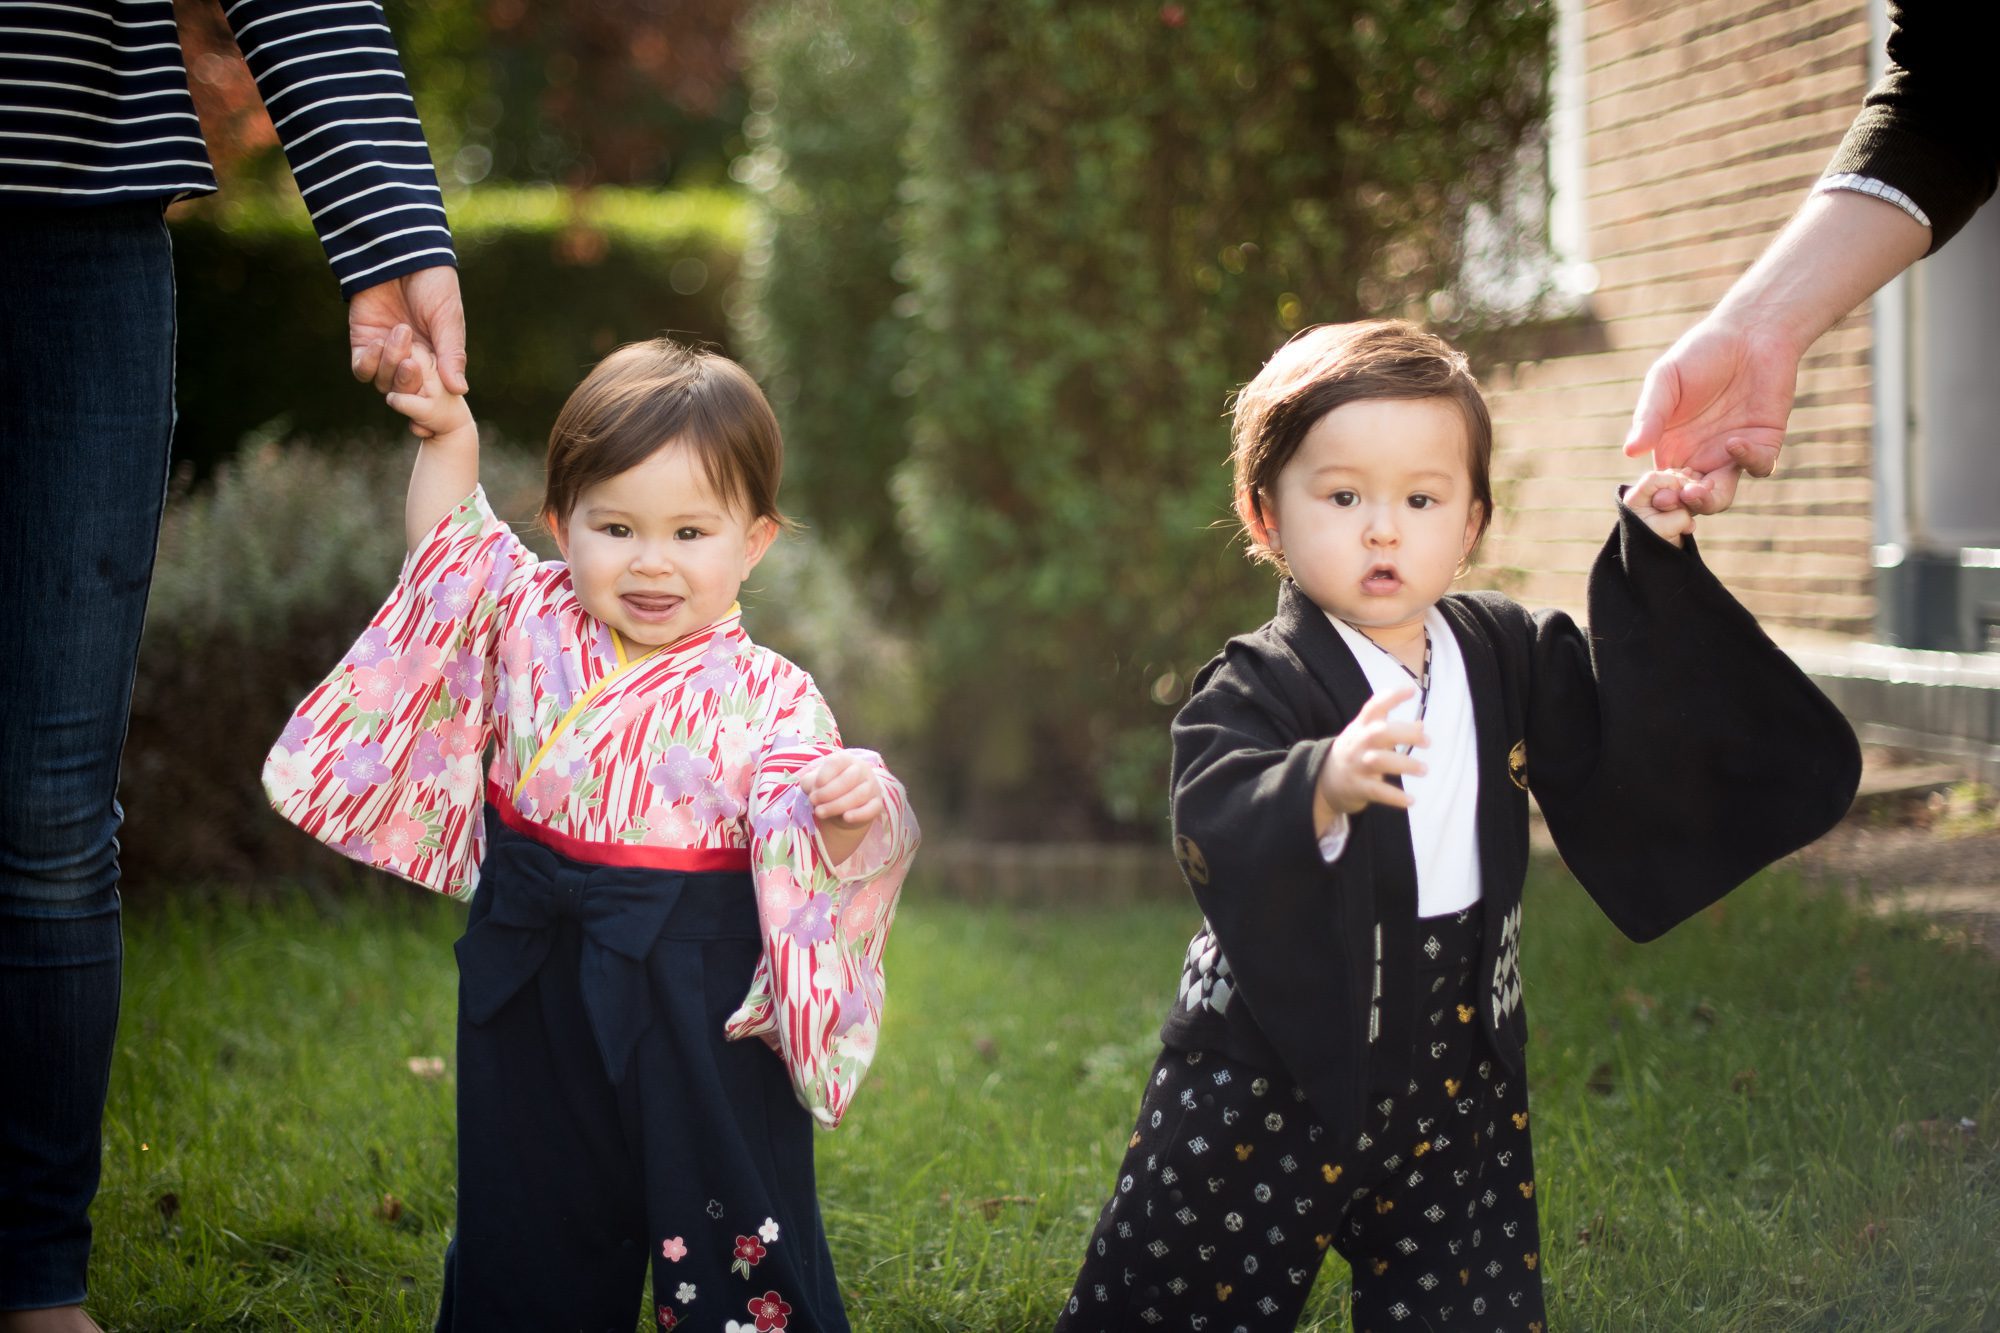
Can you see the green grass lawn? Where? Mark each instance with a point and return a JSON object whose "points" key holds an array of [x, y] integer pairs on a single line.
{"points": [[1717, 1117]]}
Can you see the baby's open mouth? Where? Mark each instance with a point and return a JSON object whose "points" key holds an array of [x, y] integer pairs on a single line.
{"points": [[1381, 579]]}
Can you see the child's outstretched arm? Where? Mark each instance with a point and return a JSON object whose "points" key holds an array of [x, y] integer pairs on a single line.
{"points": [[1673, 524], [448, 458], [1361, 760]]}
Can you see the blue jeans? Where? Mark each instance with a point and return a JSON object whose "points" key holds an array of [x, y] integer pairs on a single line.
{"points": [[86, 418]]}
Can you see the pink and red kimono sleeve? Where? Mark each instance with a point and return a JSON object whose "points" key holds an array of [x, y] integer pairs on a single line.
{"points": [[818, 991], [382, 762]]}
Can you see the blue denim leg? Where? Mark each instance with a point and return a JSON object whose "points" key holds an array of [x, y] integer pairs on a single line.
{"points": [[86, 417]]}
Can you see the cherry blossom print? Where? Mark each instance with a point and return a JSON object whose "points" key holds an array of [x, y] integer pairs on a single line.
{"points": [[461, 778], [428, 760], [370, 648], [735, 741], [668, 1318], [463, 674], [768, 1233], [544, 638], [458, 739], [685, 1293], [715, 1209], [679, 774], [770, 1311], [360, 766], [713, 803], [503, 569], [749, 1253], [788, 811], [779, 893], [718, 668], [296, 733], [397, 839], [547, 790], [673, 1249], [812, 921], [451, 597], [287, 773]]}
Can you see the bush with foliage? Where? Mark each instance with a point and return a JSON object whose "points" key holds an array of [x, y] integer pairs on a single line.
{"points": [[1107, 217], [817, 318], [266, 576], [552, 281]]}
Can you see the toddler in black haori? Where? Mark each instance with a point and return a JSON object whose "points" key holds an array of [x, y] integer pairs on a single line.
{"points": [[1343, 1066]]}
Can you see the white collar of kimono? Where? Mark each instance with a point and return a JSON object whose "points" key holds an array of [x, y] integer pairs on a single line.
{"points": [[626, 665]]}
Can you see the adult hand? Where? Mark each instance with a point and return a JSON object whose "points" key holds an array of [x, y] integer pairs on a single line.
{"points": [[1715, 404], [428, 302]]}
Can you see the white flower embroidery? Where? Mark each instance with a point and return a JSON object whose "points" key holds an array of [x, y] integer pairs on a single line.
{"points": [[685, 1293], [769, 1231]]}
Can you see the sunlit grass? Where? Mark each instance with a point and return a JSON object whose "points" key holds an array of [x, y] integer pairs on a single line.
{"points": [[1716, 1115]]}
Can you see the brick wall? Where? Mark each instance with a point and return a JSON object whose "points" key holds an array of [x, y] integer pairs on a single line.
{"points": [[1706, 124]]}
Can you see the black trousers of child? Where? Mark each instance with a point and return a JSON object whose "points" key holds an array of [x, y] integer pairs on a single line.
{"points": [[1231, 1193], [603, 1122]]}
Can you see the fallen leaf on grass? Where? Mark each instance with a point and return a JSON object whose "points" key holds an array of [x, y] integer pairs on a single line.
{"points": [[427, 1066], [1937, 1133], [990, 1208], [1745, 1082], [1704, 1014], [389, 1209], [986, 1049]]}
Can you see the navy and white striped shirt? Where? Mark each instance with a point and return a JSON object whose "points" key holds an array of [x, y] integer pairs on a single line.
{"points": [[94, 108]]}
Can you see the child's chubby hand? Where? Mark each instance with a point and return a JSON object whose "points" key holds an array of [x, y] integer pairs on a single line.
{"points": [[416, 391], [1364, 756], [847, 798], [1674, 523]]}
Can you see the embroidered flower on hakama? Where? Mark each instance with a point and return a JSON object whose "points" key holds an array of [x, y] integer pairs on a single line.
{"points": [[770, 1311], [769, 1231], [749, 1253], [462, 674], [451, 597], [679, 774], [812, 921], [360, 766], [287, 773], [673, 1249], [685, 1293], [668, 1318]]}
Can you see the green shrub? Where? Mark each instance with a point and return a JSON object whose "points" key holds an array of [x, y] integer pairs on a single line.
{"points": [[552, 281], [829, 96], [1114, 214], [269, 573]]}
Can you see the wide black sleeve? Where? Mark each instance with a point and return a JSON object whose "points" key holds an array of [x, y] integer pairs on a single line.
{"points": [[1928, 128], [1676, 751]]}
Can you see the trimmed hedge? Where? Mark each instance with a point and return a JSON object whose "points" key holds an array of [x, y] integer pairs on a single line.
{"points": [[552, 281]]}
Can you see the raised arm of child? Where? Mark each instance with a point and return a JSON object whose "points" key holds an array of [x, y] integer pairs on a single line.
{"points": [[447, 466]]}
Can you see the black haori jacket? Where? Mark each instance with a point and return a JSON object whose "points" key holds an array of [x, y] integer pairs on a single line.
{"points": [[1675, 723]]}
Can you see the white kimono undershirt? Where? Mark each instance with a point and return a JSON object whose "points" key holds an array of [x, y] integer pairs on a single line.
{"points": [[1444, 809]]}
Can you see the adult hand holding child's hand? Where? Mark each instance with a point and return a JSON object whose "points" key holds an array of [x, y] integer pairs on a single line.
{"points": [[415, 389]]}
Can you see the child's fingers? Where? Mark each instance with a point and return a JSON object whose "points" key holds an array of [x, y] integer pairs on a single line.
{"points": [[866, 813], [1379, 792], [1640, 496], [1381, 762], [1379, 706]]}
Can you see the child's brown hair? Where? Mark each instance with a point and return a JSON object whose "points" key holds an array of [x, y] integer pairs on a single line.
{"points": [[647, 395], [1330, 365]]}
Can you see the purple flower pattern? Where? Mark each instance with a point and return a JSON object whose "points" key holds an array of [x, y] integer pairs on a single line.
{"points": [[679, 774], [451, 597], [812, 920], [370, 648], [360, 766], [428, 760], [462, 675]]}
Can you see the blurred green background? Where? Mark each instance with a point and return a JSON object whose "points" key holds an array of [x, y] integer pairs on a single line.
{"points": [[999, 268]]}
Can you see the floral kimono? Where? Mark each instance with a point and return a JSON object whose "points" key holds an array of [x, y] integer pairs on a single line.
{"points": [[607, 755]]}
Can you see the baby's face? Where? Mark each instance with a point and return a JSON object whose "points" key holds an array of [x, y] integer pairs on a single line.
{"points": [[655, 553], [1375, 511]]}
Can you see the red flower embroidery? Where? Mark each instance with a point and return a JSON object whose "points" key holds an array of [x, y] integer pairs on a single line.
{"points": [[749, 1253], [667, 1319], [769, 1310]]}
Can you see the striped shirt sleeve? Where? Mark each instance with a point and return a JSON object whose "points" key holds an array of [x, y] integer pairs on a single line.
{"points": [[333, 83]]}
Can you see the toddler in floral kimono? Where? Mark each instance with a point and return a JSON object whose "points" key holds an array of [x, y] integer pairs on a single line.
{"points": [[680, 882]]}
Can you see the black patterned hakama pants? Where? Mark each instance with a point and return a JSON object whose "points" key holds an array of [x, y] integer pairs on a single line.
{"points": [[1231, 1191]]}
